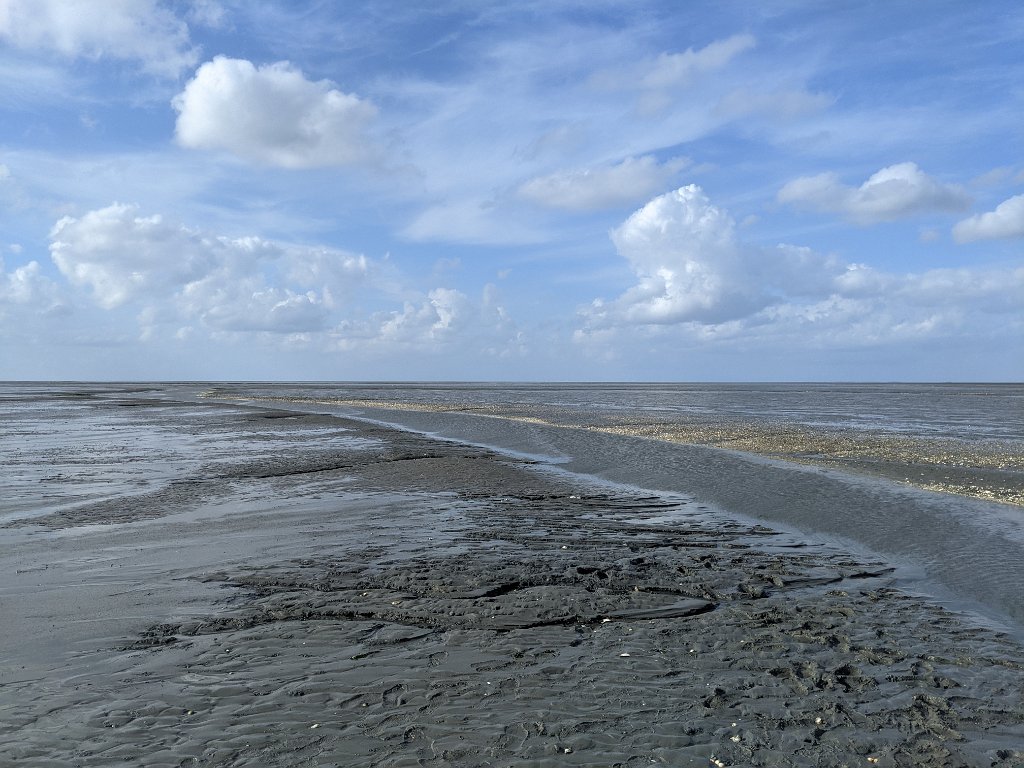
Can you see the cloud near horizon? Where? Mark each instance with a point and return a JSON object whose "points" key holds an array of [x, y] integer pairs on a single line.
{"points": [[272, 115], [444, 319], [692, 268], [894, 192], [180, 280], [695, 276], [171, 271], [26, 285]]}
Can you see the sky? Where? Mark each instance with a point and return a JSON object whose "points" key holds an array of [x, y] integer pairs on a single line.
{"points": [[471, 190]]}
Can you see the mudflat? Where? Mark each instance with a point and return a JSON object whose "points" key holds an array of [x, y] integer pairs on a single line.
{"points": [[294, 589]]}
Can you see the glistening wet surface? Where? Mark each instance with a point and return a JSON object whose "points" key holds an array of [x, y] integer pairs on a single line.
{"points": [[390, 599]]}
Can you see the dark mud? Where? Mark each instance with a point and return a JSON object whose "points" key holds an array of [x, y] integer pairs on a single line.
{"points": [[377, 598]]}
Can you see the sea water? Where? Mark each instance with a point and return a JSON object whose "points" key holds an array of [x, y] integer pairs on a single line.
{"points": [[963, 411], [966, 551]]}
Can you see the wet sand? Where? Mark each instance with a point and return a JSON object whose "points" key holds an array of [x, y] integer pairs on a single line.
{"points": [[985, 469], [308, 590]]}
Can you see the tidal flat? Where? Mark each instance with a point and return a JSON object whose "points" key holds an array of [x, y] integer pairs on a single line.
{"points": [[227, 583]]}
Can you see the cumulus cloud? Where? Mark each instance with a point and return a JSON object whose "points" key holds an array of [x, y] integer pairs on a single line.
{"points": [[1007, 220], [27, 285], [250, 305], [272, 115], [696, 277], [29, 301], [444, 318], [691, 268], [180, 282], [135, 30], [443, 313], [894, 192], [119, 255], [232, 284], [870, 307], [603, 187], [684, 252]]}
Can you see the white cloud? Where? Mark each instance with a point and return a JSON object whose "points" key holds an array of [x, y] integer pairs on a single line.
{"points": [[437, 318], [134, 30], [229, 284], [29, 302], [994, 177], [1007, 220], [180, 282], [312, 267], [443, 319], [684, 252], [697, 281], [272, 115], [603, 187], [872, 308], [691, 268], [119, 255], [250, 305], [27, 285], [891, 193]]}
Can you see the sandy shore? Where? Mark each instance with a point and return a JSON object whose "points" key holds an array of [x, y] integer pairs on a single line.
{"points": [[383, 599]]}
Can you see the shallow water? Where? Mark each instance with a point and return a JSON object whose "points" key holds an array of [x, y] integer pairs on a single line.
{"points": [[968, 552], [298, 587], [969, 412]]}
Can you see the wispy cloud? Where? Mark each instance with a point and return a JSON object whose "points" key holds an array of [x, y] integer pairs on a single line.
{"points": [[472, 221], [658, 78], [135, 30], [607, 186]]}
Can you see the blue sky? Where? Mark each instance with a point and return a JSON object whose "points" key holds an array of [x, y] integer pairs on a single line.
{"points": [[555, 190]]}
